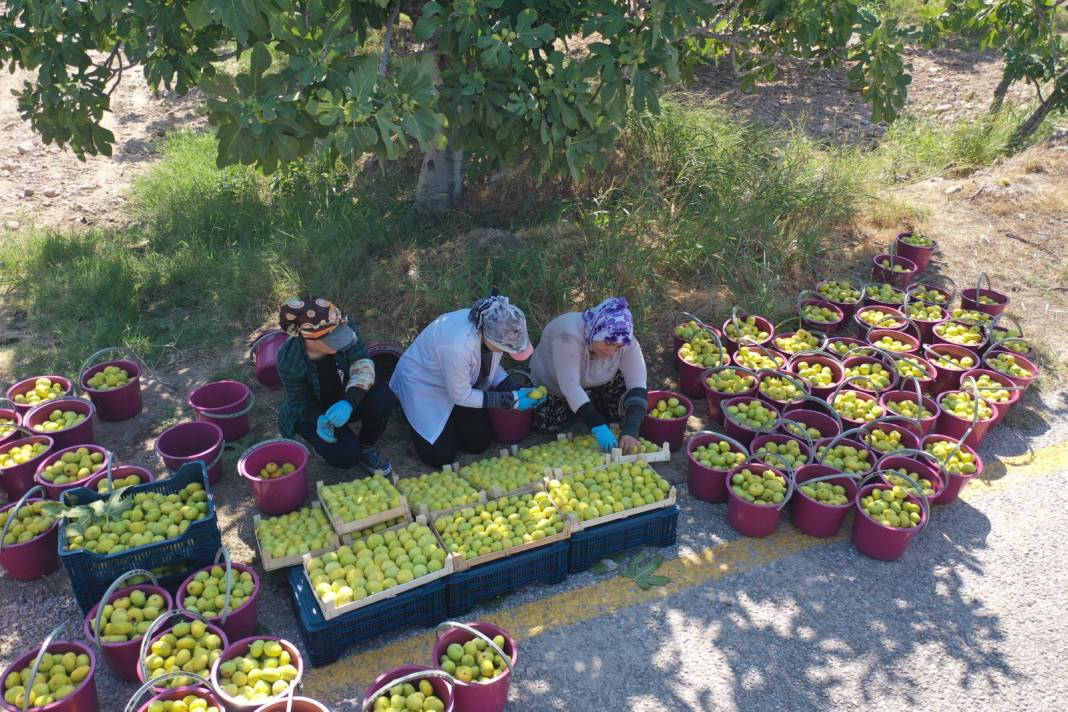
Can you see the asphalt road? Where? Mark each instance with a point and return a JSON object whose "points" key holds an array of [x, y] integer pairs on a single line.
{"points": [[971, 616]]}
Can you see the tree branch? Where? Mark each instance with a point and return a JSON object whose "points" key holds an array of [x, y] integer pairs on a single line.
{"points": [[387, 41]]}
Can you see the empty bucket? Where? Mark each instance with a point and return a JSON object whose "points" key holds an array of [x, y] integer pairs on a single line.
{"points": [[225, 404], [264, 356], [189, 442]]}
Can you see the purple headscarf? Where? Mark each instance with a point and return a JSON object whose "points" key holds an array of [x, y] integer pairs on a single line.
{"points": [[609, 321]]}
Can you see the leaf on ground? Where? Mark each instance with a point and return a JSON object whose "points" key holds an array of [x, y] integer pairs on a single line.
{"points": [[599, 568]]}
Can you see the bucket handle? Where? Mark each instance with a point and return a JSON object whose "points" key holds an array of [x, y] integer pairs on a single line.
{"points": [[917, 492], [845, 382], [156, 626], [817, 297], [10, 402], [419, 675], [823, 404], [910, 423], [489, 641], [858, 350], [790, 475], [115, 586], [897, 360], [36, 489], [707, 327], [994, 325], [125, 352], [61, 628], [225, 554], [742, 338], [837, 439], [910, 452], [799, 383], [918, 420], [971, 385], [716, 369], [723, 436], [230, 416], [979, 285], [762, 350], [131, 705]]}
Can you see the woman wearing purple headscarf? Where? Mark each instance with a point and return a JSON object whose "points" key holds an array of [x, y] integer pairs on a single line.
{"points": [[592, 366]]}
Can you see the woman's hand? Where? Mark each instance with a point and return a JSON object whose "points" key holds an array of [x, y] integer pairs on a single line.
{"points": [[629, 444]]}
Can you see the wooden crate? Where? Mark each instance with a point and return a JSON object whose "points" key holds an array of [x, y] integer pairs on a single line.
{"points": [[271, 564], [368, 521], [431, 514], [462, 564], [661, 455], [577, 526], [495, 493], [331, 611]]}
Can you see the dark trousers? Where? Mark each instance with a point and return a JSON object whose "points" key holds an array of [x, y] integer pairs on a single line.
{"points": [[467, 429], [373, 413]]}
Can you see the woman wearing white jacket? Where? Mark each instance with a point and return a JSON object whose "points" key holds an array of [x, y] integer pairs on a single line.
{"points": [[451, 374]]}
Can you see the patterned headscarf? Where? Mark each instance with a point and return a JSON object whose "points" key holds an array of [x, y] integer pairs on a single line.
{"points": [[309, 318], [609, 321], [501, 322]]}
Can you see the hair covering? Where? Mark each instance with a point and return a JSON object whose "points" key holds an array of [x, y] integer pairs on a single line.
{"points": [[609, 321], [502, 323], [309, 317]]}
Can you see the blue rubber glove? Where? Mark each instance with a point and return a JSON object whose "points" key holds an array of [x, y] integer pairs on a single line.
{"points": [[523, 401], [339, 413], [605, 438], [325, 429]]}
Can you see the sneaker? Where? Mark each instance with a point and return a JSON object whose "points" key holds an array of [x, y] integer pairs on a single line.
{"points": [[372, 461]]}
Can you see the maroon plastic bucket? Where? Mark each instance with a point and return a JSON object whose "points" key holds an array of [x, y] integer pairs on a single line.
{"points": [[119, 472], [666, 430], [891, 276], [179, 693], [838, 441], [243, 620], [835, 366], [1001, 408], [34, 558], [189, 442], [948, 376], [905, 370], [847, 308], [11, 428], [875, 336], [861, 382], [115, 404], [491, 696], [704, 482], [956, 427], [844, 346], [443, 687], [824, 327], [910, 436], [798, 382], [954, 482], [690, 381], [880, 541], [56, 491], [510, 426], [264, 355], [939, 338], [80, 434], [886, 318], [926, 424], [847, 421], [815, 518], [299, 704], [714, 399], [912, 463], [760, 441], [919, 255], [18, 479], [279, 495], [750, 519], [1024, 363], [757, 357], [826, 424], [969, 299], [225, 404], [83, 699], [241, 647], [761, 323], [160, 628], [23, 387], [880, 300], [385, 356], [121, 658], [739, 432]]}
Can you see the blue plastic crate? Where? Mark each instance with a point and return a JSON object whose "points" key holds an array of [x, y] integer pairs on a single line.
{"points": [[325, 640], [656, 528], [90, 574], [545, 564]]}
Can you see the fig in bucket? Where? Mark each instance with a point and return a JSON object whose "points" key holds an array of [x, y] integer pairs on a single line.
{"points": [[730, 381], [961, 462], [924, 312], [129, 617], [57, 678], [474, 661], [616, 488], [202, 646], [908, 409], [757, 358], [758, 486], [789, 452], [897, 477], [817, 374], [911, 367], [108, 379], [294, 533], [667, 409], [265, 671], [890, 507], [885, 293], [59, 419], [407, 696], [960, 333], [32, 519], [826, 493], [962, 405], [845, 458], [819, 314], [274, 470], [1008, 364], [702, 352], [796, 342], [73, 466], [877, 377], [841, 291], [718, 456], [206, 593], [753, 415], [747, 328], [957, 363], [44, 389], [856, 407]]}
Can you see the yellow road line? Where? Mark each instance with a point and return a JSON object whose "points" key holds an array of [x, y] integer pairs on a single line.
{"points": [[612, 594]]}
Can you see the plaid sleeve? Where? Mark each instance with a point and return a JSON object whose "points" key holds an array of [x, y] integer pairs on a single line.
{"points": [[293, 371]]}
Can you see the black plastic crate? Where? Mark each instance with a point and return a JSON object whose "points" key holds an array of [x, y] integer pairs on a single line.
{"points": [[90, 574], [545, 564], [656, 528], [326, 640]]}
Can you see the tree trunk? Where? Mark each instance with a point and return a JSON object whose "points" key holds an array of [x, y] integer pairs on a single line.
{"points": [[999, 92], [441, 180], [1031, 124]]}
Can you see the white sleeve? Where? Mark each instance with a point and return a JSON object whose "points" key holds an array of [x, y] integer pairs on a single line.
{"points": [[498, 376], [567, 362], [456, 371], [632, 365]]}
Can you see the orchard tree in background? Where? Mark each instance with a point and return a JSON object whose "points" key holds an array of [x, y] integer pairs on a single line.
{"points": [[491, 81]]}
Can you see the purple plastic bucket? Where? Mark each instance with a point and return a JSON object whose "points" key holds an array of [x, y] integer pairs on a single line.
{"points": [[822, 422], [969, 299], [705, 483], [877, 540], [18, 479], [1000, 408], [225, 404], [762, 323], [867, 386], [884, 322], [910, 436], [211, 628], [1023, 382], [279, 495], [926, 424], [889, 276], [491, 696], [188, 442], [240, 648], [443, 689], [120, 403], [56, 491], [871, 301], [925, 381], [777, 439], [510, 426], [121, 658], [837, 370], [300, 704], [739, 432], [747, 518], [948, 377], [243, 620], [861, 395], [954, 426], [909, 340], [16, 417], [27, 385], [34, 558], [385, 356], [847, 308], [824, 327], [873, 456], [954, 483], [938, 340], [264, 354], [691, 377], [80, 434], [670, 431], [924, 468], [203, 693], [83, 699], [764, 374], [920, 256], [820, 519], [714, 399], [118, 472], [850, 344]]}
